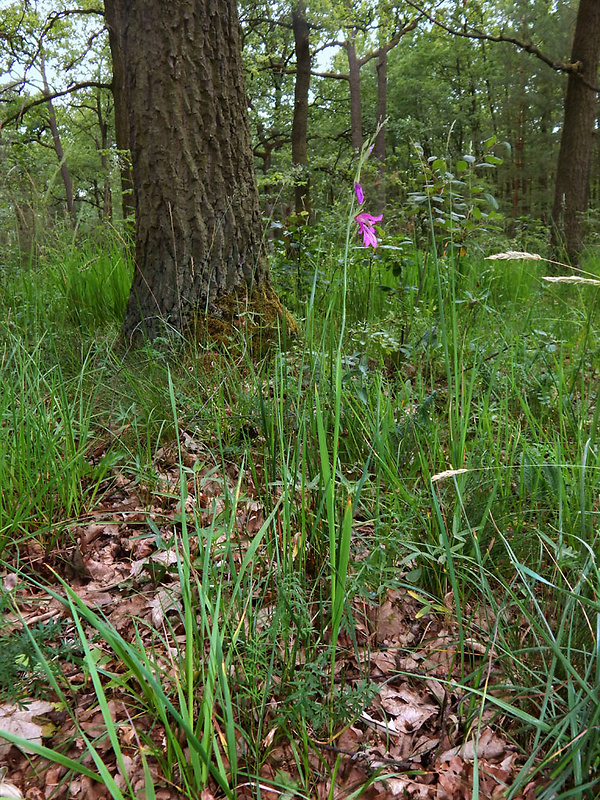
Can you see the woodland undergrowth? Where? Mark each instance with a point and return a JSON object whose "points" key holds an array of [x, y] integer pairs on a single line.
{"points": [[364, 565]]}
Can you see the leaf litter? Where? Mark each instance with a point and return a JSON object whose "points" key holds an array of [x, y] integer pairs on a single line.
{"points": [[409, 740]]}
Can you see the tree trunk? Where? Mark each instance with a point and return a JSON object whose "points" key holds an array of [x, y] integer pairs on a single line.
{"points": [[105, 208], [115, 24], [58, 148], [577, 141], [382, 58], [379, 149], [300, 121], [519, 187], [356, 134], [198, 222]]}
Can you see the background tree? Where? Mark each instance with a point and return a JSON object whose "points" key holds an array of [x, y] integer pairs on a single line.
{"points": [[50, 60], [571, 190], [301, 30], [58, 147], [449, 93], [574, 168], [268, 49]]}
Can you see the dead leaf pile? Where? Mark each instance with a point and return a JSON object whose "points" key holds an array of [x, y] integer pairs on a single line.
{"points": [[411, 741]]}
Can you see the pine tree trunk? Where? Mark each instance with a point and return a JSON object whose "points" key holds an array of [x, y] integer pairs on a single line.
{"points": [[571, 191], [198, 222]]}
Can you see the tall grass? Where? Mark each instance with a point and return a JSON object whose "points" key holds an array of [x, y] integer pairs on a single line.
{"points": [[46, 426], [459, 420]]}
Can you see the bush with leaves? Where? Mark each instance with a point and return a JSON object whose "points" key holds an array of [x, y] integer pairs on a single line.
{"points": [[453, 200]]}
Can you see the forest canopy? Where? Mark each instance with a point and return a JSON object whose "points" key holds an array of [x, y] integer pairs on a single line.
{"points": [[320, 79]]}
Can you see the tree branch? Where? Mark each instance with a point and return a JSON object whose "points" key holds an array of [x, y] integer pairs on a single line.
{"points": [[51, 96], [410, 26], [340, 76], [55, 16], [529, 47]]}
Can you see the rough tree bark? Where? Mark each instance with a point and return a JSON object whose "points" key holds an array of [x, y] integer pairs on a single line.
{"points": [[198, 223], [571, 190], [301, 31]]}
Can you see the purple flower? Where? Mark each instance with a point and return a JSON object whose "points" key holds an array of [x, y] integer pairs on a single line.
{"points": [[365, 226], [360, 196]]}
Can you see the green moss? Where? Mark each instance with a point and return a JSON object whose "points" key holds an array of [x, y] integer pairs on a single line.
{"points": [[259, 319]]}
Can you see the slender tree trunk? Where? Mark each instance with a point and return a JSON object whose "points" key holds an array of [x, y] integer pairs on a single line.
{"points": [[519, 187], [356, 133], [122, 121], [379, 150], [382, 59], [577, 141], [198, 222], [102, 145], [58, 148], [301, 30]]}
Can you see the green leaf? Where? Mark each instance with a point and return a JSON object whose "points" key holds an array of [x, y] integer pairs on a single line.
{"points": [[491, 200], [491, 141], [461, 166]]}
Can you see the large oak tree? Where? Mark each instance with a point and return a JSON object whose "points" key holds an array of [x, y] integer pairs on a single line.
{"points": [[198, 223]]}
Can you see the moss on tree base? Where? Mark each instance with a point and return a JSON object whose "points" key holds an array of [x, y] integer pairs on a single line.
{"points": [[258, 320]]}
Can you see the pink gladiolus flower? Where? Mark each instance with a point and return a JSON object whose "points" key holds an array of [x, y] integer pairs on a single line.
{"points": [[360, 196], [365, 226]]}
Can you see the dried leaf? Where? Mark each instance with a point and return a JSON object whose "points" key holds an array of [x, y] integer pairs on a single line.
{"points": [[24, 721], [168, 598], [8, 789], [489, 746]]}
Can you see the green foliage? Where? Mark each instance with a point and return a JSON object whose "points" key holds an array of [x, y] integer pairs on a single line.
{"points": [[95, 286], [484, 368], [434, 428], [50, 376], [21, 665], [456, 203], [443, 91]]}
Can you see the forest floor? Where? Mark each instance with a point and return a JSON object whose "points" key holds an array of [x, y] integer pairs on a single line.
{"points": [[408, 741], [366, 566]]}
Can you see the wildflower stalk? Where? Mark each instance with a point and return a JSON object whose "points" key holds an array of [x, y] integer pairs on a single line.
{"points": [[339, 541]]}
